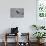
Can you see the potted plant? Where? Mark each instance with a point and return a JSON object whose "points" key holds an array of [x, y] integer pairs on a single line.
{"points": [[42, 27], [35, 26], [38, 27], [39, 35]]}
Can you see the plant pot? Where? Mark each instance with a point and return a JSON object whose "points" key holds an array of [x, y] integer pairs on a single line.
{"points": [[40, 41]]}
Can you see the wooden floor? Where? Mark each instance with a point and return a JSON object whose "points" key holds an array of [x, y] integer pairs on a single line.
{"points": [[13, 44]]}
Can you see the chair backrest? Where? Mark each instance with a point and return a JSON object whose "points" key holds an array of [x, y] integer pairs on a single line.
{"points": [[14, 30]]}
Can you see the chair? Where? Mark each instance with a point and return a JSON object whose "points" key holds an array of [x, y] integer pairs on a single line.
{"points": [[14, 32], [25, 36], [7, 34]]}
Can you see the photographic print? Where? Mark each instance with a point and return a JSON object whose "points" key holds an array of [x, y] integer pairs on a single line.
{"points": [[16, 12]]}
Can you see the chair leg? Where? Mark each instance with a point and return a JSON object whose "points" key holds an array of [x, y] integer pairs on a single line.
{"points": [[5, 40], [5, 43], [17, 39]]}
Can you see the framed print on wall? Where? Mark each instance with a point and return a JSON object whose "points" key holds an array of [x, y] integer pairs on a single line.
{"points": [[16, 12], [41, 12], [41, 8]]}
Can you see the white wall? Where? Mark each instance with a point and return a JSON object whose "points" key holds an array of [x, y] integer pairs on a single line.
{"points": [[23, 23]]}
